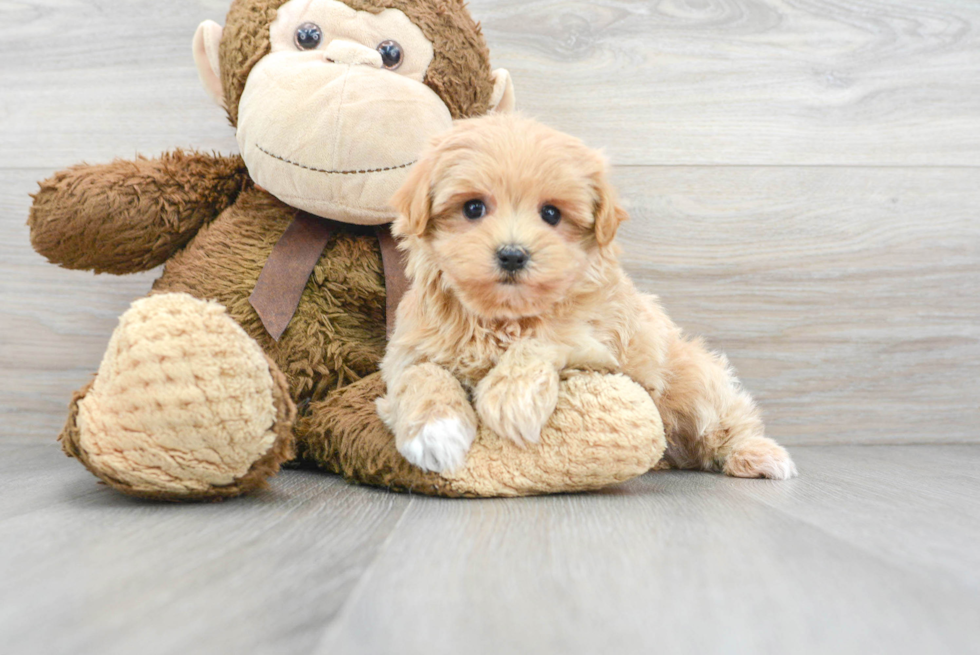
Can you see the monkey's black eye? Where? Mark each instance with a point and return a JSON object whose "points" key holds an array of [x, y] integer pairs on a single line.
{"points": [[474, 209], [391, 54], [551, 214], [308, 36]]}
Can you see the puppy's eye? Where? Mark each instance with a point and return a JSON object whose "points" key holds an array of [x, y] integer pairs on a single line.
{"points": [[308, 36], [551, 214], [474, 209], [391, 54]]}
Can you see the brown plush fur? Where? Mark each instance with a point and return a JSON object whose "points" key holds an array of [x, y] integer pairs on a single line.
{"points": [[131, 216], [337, 335], [460, 72], [344, 434]]}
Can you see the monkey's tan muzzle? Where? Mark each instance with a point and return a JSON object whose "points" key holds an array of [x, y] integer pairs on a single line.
{"points": [[341, 144]]}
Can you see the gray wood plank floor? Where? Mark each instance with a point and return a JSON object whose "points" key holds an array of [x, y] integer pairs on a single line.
{"points": [[872, 549]]}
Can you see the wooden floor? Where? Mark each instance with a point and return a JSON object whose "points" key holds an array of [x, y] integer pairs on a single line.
{"points": [[872, 550], [804, 183]]}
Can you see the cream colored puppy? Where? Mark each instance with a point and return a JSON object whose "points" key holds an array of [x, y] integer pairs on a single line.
{"points": [[509, 231]]}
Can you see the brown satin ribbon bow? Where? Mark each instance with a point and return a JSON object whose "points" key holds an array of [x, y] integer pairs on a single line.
{"points": [[280, 285]]}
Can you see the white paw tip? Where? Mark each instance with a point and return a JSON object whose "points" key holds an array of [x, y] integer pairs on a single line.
{"points": [[780, 469], [440, 446], [770, 462]]}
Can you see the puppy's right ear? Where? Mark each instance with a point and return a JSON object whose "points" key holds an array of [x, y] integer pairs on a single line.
{"points": [[413, 201]]}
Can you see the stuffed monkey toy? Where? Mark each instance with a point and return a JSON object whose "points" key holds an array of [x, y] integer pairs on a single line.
{"points": [[259, 343]]}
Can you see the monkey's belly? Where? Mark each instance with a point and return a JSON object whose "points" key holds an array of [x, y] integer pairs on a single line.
{"points": [[338, 332]]}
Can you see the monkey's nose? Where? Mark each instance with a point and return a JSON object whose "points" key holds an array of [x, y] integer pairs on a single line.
{"points": [[352, 54], [512, 258]]}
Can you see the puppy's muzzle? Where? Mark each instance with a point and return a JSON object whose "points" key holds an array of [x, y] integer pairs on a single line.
{"points": [[513, 258]]}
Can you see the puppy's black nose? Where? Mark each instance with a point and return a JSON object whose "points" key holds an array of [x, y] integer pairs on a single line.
{"points": [[512, 258]]}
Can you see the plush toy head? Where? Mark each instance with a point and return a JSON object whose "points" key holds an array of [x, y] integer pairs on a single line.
{"points": [[333, 101]]}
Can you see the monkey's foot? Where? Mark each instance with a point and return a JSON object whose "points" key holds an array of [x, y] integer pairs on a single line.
{"points": [[605, 430], [185, 406]]}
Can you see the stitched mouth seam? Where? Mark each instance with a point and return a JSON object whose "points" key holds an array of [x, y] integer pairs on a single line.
{"points": [[322, 170]]}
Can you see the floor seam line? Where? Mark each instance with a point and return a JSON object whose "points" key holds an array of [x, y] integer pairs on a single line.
{"points": [[340, 615], [948, 577]]}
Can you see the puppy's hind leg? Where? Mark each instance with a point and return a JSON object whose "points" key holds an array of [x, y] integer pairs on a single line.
{"points": [[431, 416], [712, 422]]}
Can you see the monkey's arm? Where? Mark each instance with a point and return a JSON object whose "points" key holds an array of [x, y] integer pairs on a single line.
{"points": [[130, 216]]}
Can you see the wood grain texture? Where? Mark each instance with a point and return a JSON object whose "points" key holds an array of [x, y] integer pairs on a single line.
{"points": [[763, 82], [54, 324], [844, 292], [847, 298], [802, 176], [92, 80], [86, 570], [682, 563], [872, 549], [669, 82]]}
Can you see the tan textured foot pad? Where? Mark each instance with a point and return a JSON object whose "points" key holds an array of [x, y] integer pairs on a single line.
{"points": [[605, 430], [186, 406]]}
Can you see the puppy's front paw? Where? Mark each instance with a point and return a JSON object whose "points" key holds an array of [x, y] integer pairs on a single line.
{"points": [[759, 457], [441, 445], [516, 403]]}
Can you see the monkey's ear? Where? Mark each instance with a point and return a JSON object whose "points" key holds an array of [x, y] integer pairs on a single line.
{"points": [[413, 201], [608, 212], [503, 99], [207, 41]]}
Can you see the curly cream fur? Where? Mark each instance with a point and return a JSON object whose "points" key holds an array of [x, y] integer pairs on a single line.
{"points": [[508, 336]]}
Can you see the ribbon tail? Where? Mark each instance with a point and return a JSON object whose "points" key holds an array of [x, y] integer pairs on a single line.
{"points": [[396, 281], [284, 277]]}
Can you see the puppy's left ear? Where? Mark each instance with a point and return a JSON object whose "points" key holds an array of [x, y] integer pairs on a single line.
{"points": [[608, 212], [413, 201]]}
